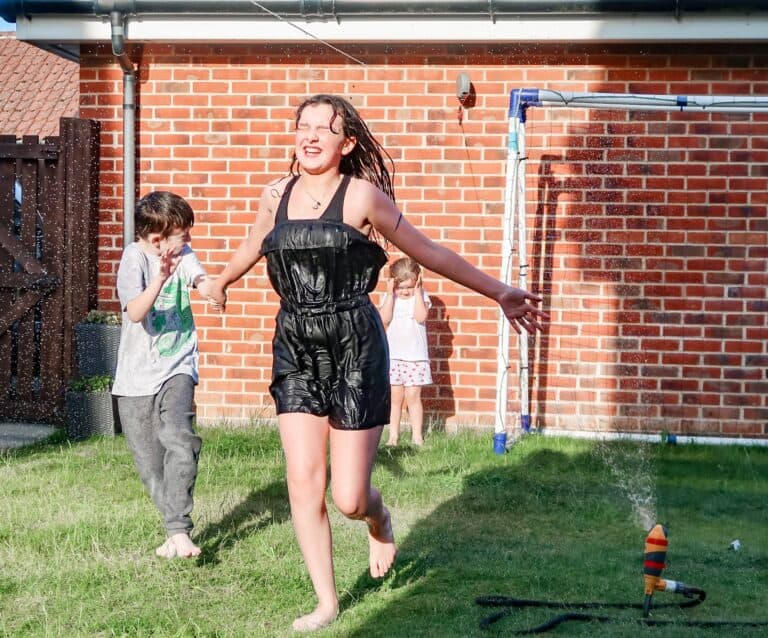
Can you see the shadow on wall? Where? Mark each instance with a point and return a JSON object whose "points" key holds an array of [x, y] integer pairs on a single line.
{"points": [[549, 189], [439, 402]]}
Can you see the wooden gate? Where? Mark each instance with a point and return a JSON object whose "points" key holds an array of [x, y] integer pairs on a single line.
{"points": [[48, 237]]}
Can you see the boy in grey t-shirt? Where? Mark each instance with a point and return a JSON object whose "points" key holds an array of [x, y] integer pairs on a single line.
{"points": [[158, 361]]}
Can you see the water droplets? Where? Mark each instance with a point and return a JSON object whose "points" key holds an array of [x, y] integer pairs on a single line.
{"points": [[632, 469]]}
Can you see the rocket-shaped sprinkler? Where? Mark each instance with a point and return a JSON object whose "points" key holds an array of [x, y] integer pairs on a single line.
{"points": [[654, 562]]}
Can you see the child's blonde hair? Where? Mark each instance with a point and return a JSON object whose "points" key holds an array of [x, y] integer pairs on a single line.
{"points": [[404, 269]]}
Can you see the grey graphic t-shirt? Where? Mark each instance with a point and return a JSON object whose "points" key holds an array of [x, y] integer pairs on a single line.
{"points": [[164, 343]]}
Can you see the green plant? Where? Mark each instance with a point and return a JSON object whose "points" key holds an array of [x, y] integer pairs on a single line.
{"points": [[97, 383], [106, 317]]}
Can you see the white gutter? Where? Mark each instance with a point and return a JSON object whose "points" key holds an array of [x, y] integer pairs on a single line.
{"points": [[534, 29]]}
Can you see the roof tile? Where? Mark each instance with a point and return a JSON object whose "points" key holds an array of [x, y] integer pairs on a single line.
{"points": [[36, 88]]}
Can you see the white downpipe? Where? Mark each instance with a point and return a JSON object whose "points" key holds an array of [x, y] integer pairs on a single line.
{"points": [[654, 438]]}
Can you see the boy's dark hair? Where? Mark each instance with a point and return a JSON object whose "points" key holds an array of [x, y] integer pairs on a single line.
{"points": [[366, 160], [162, 212]]}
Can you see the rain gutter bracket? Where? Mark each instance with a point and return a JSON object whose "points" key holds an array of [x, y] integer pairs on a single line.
{"points": [[117, 23]]}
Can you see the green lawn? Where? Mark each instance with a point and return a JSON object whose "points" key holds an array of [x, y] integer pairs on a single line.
{"points": [[554, 519]]}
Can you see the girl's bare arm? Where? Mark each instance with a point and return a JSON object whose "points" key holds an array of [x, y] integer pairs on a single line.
{"points": [[518, 305]]}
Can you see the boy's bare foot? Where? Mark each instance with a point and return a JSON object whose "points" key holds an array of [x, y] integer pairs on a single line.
{"points": [[185, 548], [381, 542], [180, 545], [391, 443], [418, 442], [166, 550], [318, 619]]}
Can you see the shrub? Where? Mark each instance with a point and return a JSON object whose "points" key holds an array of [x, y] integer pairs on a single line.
{"points": [[97, 383], [106, 317]]}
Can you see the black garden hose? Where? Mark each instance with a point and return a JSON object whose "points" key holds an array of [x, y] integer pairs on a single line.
{"points": [[695, 597]]}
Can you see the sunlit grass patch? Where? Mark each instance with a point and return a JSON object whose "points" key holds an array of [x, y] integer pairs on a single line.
{"points": [[552, 519]]}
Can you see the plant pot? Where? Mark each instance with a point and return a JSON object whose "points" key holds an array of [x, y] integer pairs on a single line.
{"points": [[97, 346], [90, 413]]}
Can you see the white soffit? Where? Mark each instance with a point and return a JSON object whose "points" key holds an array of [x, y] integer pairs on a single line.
{"points": [[222, 29]]}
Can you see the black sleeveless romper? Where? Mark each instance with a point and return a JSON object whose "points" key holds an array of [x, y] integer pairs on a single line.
{"points": [[330, 347]]}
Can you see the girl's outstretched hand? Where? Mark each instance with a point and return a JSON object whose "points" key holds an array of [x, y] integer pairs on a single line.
{"points": [[204, 286], [518, 306]]}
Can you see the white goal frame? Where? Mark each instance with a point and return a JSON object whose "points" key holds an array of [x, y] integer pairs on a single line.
{"points": [[515, 205]]}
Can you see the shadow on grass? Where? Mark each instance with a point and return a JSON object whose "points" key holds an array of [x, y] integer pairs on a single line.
{"points": [[258, 510], [554, 526], [391, 458], [52, 443]]}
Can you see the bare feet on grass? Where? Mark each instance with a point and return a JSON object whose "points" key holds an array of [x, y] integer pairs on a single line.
{"points": [[382, 545], [178, 545], [319, 618]]}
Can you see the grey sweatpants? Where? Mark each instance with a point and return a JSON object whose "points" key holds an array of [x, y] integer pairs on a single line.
{"points": [[160, 435]]}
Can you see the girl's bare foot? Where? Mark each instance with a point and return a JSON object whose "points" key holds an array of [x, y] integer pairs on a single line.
{"points": [[180, 545], [318, 619], [391, 443], [381, 541]]}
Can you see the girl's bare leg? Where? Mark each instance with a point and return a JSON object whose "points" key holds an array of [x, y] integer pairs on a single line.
{"points": [[352, 455], [415, 413], [305, 442], [395, 414]]}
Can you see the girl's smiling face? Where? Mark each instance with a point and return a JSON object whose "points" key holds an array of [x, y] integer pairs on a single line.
{"points": [[320, 141]]}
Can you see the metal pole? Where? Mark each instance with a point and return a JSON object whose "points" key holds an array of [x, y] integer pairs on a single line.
{"points": [[514, 199], [522, 257], [646, 102], [507, 246]]}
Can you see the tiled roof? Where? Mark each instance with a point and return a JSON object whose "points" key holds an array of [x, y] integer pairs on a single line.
{"points": [[36, 88]]}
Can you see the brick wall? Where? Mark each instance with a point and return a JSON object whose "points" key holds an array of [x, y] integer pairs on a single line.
{"points": [[647, 232]]}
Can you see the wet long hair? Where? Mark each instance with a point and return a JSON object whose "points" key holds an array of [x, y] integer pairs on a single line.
{"points": [[367, 158]]}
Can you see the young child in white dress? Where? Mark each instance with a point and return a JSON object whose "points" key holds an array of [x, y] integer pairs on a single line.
{"points": [[404, 313]]}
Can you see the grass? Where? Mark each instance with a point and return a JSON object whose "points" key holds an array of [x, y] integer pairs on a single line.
{"points": [[553, 519]]}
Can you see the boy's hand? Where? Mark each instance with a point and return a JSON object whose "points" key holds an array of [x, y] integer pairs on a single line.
{"points": [[391, 286], [168, 263]]}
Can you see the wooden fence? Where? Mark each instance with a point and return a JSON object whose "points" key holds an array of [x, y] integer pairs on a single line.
{"points": [[48, 236]]}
